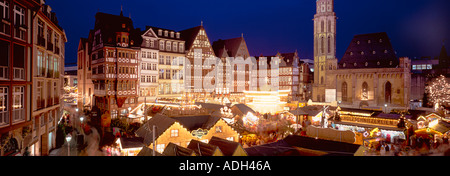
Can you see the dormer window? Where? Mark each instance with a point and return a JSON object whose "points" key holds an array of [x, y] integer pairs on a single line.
{"points": [[351, 53], [362, 52], [344, 65], [124, 25], [381, 41], [358, 42], [374, 52], [369, 41], [355, 64], [166, 33], [385, 51], [378, 63], [178, 35], [367, 64], [160, 32], [172, 34]]}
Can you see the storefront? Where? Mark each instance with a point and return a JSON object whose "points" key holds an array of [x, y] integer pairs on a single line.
{"points": [[390, 134]]}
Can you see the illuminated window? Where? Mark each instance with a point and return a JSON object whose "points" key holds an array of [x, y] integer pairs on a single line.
{"points": [[18, 104], [429, 67], [173, 133], [414, 67], [365, 91], [4, 117], [160, 148]]}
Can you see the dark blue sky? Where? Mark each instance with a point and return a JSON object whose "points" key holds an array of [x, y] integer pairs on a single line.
{"points": [[416, 27]]}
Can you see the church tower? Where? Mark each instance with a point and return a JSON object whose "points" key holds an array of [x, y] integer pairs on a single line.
{"points": [[324, 46]]}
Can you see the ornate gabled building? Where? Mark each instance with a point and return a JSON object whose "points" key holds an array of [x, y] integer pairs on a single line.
{"points": [[199, 60], [114, 63], [289, 74], [148, 70], [239, 73]]}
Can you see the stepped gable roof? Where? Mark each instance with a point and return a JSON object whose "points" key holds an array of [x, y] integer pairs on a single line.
{"points": [[176, 150], [189, 35], [231, 46], [110, 24], [289, 59], [374, 49]]}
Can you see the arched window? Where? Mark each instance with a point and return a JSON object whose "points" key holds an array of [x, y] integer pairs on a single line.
{"points": [[365, 91], [387, 92], [321, 80], [329, 45], [344, 91], [322, 45], [322, 26], [329, 25]]}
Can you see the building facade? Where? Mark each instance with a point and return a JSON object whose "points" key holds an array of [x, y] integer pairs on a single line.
{"points": [[170, 64], [199, 60], [31, 69], [148, 70], [370, 75], [114, 62], [238, 73], [48, 78], [289, 74], [84, 75]]}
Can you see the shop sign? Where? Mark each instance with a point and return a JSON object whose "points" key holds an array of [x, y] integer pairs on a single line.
{"points": [[199, 133]]}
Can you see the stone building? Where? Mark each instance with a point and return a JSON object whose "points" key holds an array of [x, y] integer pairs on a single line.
{"points": [[370, 75], [324, 46]]}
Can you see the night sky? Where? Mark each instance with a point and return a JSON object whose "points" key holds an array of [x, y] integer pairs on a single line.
{"points": [[416, 27]]}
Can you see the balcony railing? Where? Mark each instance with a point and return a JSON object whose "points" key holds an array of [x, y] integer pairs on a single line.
{"points": [[4, 118], [20, 31], [18, 115], [19, 73], [4, 72]]}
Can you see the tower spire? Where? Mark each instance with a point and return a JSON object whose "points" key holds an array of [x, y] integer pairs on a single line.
{"points": [[121, 10]]}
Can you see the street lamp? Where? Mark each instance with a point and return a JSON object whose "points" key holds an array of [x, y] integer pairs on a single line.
{"points": [[68, 138], [81, 119]]}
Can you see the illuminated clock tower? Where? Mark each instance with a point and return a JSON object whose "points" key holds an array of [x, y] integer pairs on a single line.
{"points": [[324, 46]]}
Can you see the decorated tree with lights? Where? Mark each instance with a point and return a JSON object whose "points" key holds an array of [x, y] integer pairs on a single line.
{"points": [[439, 91]]}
